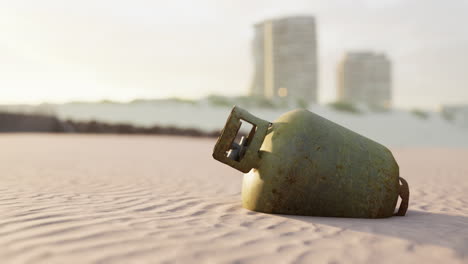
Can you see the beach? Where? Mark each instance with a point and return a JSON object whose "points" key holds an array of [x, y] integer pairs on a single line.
{"points": [[161, 199]]}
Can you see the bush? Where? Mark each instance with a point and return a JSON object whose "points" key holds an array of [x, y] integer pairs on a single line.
{"points": [[242, 101], [217, 100], [447, 115], [182, 100], [301, 103], [420, 113], [345, 107]]}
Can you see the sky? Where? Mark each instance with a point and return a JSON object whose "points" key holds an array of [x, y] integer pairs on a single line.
{"points": [[88, 50]]}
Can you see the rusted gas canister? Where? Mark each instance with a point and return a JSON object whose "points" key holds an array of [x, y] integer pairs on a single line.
{"points": [[304, 164]]}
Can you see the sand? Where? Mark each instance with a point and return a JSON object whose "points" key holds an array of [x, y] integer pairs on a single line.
{"points": [[147, 199]]}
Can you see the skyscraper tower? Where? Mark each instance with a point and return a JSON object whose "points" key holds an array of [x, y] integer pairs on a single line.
{"points": [[285, 55], [365, 78]]}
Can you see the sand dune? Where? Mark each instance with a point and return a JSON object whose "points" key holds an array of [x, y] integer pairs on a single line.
{"points": [[117, 199]]}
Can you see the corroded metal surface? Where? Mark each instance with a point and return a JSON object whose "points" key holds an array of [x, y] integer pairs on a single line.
{"points": [[308, 165]]}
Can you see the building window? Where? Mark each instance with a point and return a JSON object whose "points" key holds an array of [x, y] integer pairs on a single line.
{"points": [[282, 92]]}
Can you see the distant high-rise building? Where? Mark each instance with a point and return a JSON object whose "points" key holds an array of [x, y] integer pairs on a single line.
{"points": [[285, 55], [365, 78]]}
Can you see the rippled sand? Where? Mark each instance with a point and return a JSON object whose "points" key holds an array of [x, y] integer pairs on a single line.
{"points": [[117, 199]]}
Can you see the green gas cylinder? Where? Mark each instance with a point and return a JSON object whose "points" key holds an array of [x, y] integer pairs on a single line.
{"points": [[304, 164]]}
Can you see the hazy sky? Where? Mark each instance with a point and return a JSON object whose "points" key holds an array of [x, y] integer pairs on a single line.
{"points": [[58, 50]]}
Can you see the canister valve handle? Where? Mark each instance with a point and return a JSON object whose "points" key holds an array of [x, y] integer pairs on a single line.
{"points": [[243, 156]]}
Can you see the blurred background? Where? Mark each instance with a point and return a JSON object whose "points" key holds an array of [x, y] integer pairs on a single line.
{"points": [[392, 70]]}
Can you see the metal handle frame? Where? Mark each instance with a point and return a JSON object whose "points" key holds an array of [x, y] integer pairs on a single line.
{"points": [[254, 141]]}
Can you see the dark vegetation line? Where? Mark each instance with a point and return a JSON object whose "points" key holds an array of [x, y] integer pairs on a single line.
{"points": [[17, 122]]}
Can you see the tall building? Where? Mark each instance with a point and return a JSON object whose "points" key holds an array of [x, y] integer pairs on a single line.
{"points": [[365, 78], [285, 55]]}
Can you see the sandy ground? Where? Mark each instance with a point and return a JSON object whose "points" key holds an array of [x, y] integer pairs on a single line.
{"points": [[118, 199]]}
